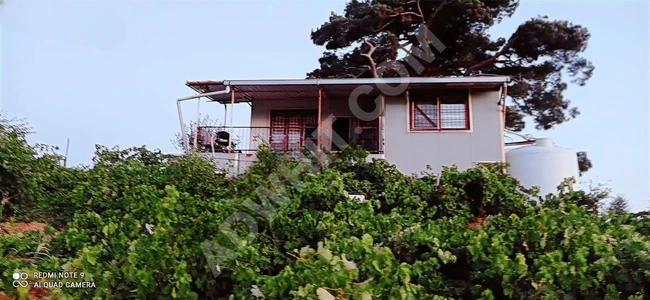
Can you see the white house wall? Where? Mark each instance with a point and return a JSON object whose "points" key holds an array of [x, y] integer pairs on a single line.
{"points": [[412, 151]]}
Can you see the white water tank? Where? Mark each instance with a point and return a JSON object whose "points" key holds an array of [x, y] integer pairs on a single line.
{"points": [[543, 165]]}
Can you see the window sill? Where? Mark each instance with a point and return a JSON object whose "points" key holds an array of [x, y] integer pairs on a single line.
{"points": [[439, 130]]}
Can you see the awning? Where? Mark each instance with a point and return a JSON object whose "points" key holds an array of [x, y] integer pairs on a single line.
{"points": [[298, 89]]}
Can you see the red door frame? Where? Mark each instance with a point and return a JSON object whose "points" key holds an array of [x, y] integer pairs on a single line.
{"points": [[303, 119]]}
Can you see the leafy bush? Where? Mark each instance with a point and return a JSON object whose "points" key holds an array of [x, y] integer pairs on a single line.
{"points": [[136, 223]]}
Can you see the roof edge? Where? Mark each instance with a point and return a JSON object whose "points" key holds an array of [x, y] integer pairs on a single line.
{"points": [[355, 81]]}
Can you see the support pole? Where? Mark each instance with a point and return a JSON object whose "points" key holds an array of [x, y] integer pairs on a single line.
{"points": [[503, 128], [232, 108], [320, 117], [198, 122], [65, 158], [382, 124], [505, 95], [225, 116], [186, 139]]}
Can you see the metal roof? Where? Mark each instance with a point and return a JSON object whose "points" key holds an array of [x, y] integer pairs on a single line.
{"points": [[290, 89]]}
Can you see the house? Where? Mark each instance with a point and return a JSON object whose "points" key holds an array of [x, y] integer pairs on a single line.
{"points": [[426, 121]]}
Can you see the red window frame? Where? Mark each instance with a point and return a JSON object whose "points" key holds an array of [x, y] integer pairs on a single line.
{"points": [[437, 99], [293, 122], [369, 137]]}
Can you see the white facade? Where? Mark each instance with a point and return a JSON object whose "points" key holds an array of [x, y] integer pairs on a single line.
{"points": [[399, 137], [412, 151]]}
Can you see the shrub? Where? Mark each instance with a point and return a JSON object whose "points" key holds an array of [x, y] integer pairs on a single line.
{"points": [[136, 224]]}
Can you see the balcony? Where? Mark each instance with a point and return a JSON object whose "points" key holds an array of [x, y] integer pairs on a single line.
{"points": [[234, 148], [247, 139]]}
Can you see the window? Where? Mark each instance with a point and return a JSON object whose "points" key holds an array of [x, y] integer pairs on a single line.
{"points": [[439, 110], [353, 131], [291, 128], [365, 134]]}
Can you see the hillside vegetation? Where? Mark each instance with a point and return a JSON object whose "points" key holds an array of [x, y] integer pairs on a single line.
{"points": [[136, 224]]}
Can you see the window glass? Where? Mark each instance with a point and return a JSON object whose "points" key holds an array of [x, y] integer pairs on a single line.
{"points": [[439, 109], [425, 115], [453, 109]]}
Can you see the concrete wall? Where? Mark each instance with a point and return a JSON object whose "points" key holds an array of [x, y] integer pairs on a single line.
{"points": [[412, 151], [224, 162]]}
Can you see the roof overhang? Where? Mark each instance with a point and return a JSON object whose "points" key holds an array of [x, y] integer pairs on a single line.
{"points": [[290, 89]]}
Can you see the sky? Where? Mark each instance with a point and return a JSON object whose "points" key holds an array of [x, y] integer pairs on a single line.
{"points": [[108, 72]]}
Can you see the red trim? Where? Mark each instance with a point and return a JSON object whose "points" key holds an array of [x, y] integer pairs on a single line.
{"points": [[203, 82], [439, 111], [374, 139]]}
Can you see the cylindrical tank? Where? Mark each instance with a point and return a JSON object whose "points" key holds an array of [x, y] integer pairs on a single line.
{"points": [[543, 165]]}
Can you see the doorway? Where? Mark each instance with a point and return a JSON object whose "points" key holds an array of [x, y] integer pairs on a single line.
{"points": [[341, 126]]}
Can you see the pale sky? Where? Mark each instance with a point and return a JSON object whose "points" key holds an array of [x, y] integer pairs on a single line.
{"points": [[108, 72]]}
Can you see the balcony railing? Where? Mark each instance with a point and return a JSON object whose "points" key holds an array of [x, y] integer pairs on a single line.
{"points": [[250, 138], [238, 138]]}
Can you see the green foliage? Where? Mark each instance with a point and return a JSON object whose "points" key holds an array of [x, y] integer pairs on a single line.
{"points": [[27, 173], [463, 235]]}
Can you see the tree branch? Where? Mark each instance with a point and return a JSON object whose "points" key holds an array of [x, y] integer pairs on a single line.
{"points": [[395, 15], [373, 64], [420, 10], [421, 15], [435, 12], [491, 60], [520, 106], [296, 257], [427, 24], [384, 26], [405, 13], [364, 72]]}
